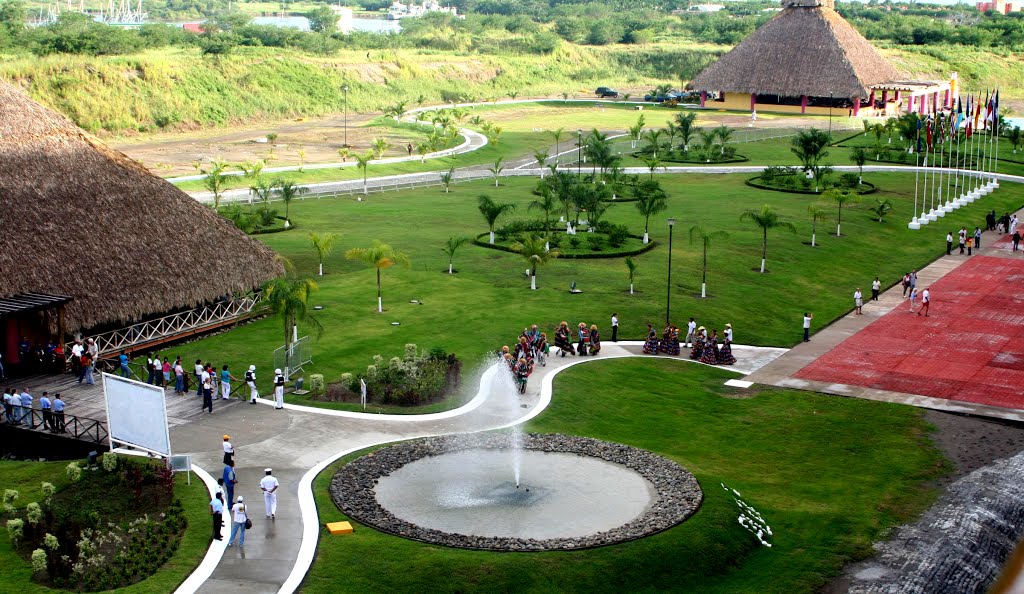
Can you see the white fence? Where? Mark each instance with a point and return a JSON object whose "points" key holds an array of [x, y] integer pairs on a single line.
{"points": [[299, 353]]}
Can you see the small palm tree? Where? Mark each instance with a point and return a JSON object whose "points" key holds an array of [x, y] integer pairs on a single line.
{"points": [[697, 233], [423, 149], [631, 269], [215, 179], [1015, 137], [541, 157], [636, 131], [766, 218], [724, 134], [809, 146], [491, 210], [252, 169], [323, 243], [262, 191], [302, 158], [380, 146], [881, 208], [653, 138], [652, 163], [685, 122], [363, 163], [453, 244], [708, 139], [546, 202], [447, 178], [380, 256], [534, 250], [859, 156], [650, 200], [496, 169], [289, 298], [818, 212], [841, 197], [288, 191], [557, 135]]}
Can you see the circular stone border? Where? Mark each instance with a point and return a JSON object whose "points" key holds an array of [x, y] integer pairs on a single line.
{"points": [[679, 495]]}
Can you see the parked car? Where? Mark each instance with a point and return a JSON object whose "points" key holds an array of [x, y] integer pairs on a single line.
{"points": [[605, 92], [662, 97]]}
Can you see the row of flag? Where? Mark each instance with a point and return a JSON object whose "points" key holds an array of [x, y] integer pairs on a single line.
{"points": [[942, 126]]}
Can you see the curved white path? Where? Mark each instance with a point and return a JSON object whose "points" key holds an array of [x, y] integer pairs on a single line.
{"points": [[300, 442]]}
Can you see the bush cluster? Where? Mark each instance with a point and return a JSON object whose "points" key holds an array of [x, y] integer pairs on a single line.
{"points": [[411, 380]]}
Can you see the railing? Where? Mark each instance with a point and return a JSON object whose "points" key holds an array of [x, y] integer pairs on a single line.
{"points": [[159, 329], [58, 423]]}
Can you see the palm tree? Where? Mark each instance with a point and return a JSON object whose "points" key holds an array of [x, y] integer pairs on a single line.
{"points": [[841, 197], [707, 139], [323, 243], [671, 130], [363, 163], [685, 121], [650, 200], [809, 146], [636, 130], [557, 135], [423, 149], [698, 233], [818, 212], [262, 190], [302, 158], [724, 133], [215, 179], [534, 250], [547, 203], [653, 137], [496, 169], [447, 178], [541, 157], [766, 218], [1015, 137], [652, 163], [631, 269], [288, 191], [380, 256], [252, 169], [859, 156], [288, 297], [380, 146], [453, 244], [881, 208], [491, 211]]}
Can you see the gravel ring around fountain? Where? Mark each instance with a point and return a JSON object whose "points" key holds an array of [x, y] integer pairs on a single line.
{"points": [[679, 495]]}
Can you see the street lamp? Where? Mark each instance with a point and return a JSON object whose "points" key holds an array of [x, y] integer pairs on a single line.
{"points": [[830, 101], [579, 151], [668, 296], [344, 88]]}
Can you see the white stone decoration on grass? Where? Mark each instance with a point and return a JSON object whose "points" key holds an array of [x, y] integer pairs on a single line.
{"points": [[751, 519]]}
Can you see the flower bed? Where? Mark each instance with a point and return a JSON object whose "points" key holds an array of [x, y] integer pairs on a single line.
{"points": [[793, 181], [583, 245], [413, 380]]}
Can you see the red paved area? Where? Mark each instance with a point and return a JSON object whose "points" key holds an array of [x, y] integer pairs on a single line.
{"points": [[970, 348], [1005, 242]]}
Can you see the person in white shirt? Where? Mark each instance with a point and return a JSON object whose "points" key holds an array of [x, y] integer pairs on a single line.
{"points": [[199, 377], [278, 389], [206, 385], [926, 300], [250, 380], [876, 286], [217, 511], [949, 243], [858, 301], [158, 371], [615, 327], [238, 517], [807, 326], [229, 450], [728, 332], [691, 329], [268, 485]]}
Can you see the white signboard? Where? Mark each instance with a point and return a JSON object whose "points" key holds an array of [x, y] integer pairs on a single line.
{"points": [[136, 415]]}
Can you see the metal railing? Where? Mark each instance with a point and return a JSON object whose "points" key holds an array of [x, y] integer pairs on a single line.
{"points": [[160, 329], [83, 428]]}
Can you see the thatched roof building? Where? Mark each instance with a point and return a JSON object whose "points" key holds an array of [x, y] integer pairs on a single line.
{"points": [[84, 221], [807, 55]]}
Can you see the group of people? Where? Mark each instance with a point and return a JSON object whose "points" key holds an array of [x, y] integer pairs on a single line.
{"points": [[587, 339], [967, 240], [18, 408], [531, 348], [703, 346], [225, 495]]}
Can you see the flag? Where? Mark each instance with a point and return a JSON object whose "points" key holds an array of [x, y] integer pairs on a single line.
{"points": [[970, 128], [959, 114], [919, 125], [995, 110], [977, 111], [989, 111], [928, 135]]}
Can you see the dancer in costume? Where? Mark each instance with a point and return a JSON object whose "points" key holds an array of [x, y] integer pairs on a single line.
{"points": [[725, 356], [651, 344], [563, 339], [710, 353], [595, 340], [698, 344]]}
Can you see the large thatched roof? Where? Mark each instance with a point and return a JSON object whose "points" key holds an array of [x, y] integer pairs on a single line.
{"points": [[807, 49], [80, 219]]}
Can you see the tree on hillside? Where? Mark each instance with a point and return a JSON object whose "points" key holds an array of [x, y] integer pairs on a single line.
{"points": [[380, 145], [491, 211], [766, 218], [697, 233], [380, 256], [452, 246], [557, 135], [809, 146], [534, 250], [650, 200], [541, 157], [323, 243]]}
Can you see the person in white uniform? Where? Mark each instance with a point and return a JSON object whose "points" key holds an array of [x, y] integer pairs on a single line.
{"points": [[268, 485], [278, 389], [250, 380]]}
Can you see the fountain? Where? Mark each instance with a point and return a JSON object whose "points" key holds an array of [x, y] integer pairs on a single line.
{"points": [[509, 490]]}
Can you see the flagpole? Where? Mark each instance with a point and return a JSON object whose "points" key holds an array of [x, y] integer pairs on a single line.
{"points": [[914, 222], [956, 171], [995, 124], [943, 207], [934, 213]]}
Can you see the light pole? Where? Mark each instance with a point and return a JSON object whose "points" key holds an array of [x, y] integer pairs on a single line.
{"points": [[830, 101], [668, 295], [579, 151], [344, 88]]}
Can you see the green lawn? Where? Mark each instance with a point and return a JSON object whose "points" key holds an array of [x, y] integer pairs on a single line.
{"points": [[828, 474], [26, 478], [488, 302]]}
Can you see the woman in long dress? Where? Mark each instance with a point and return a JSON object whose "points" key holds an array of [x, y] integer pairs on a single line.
{"points": [[698, 344], [672, 344], [651, 344], [595, 340], [725, 356], [563, 339], [710, 353]]}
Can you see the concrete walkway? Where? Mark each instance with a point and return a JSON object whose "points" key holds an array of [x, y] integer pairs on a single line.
{"points": [[781, 371], [298, 442]]}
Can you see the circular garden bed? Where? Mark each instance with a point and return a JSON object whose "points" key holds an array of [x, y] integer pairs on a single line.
{"points": [[798, 187], [583, 245]]}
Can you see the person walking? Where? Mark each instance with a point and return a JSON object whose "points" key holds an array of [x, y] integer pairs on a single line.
{"points": [[225, 383], [691, 330], [615, 327], [962, 234], [970, 243], [807, 326], [88, 365], [926, 301], [876, 286], [278, 389], [913, 298], [858, 301], [1016, 240], [58, 414], [229, 450], [199, 377], [913, 280], [122, 359], [250, 380], [179, 377], [239, 519], [949, 243], [230, 479], [205, 384], [977, 238], [269, 485], [217, 512]]}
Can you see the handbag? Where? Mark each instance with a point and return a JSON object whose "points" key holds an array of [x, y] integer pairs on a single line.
{"points": [[248, 522]]}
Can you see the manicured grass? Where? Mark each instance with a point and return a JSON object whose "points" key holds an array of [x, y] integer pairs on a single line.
{"points": [[828, 474], [26, 477], [488, 302]]}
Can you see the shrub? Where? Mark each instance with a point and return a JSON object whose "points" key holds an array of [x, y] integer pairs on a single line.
{"points": [[555, 239], [617, 235], [10, 496], [109, 461], [849, 180], [74, 472], [38, 561], [33, 513], [574, 242], [50, 541], [596, 242], [15, 530], [316, 383]]}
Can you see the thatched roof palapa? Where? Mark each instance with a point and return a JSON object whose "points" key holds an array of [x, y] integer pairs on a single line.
{"points": [[81, 219], [806, 49]]}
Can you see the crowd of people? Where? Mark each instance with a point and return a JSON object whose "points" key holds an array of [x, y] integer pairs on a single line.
{"points": [[704, 347], [19, 406], [224, 499], [532, 348]]}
